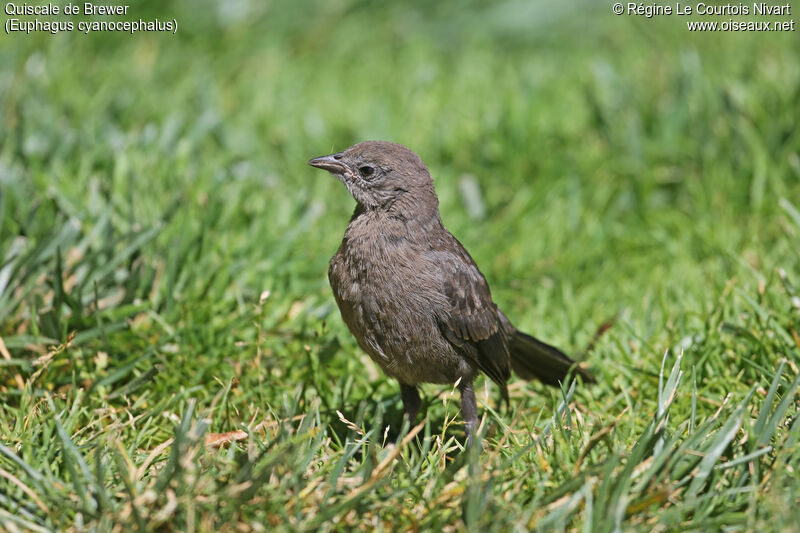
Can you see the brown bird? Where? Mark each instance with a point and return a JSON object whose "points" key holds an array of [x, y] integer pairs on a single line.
{"points": [[411, 294]]}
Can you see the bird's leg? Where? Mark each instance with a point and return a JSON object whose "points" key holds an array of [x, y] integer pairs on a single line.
{"points": [[411, 402], [469, 408]]}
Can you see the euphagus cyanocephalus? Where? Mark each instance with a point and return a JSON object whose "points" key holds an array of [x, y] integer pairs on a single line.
{"points": [[411, 294]]}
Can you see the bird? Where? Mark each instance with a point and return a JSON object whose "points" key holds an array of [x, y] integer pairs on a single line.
{"points": [[411, 294]]}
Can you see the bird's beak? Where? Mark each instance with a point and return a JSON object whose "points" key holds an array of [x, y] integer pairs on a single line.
{"points": [[330, 163]]}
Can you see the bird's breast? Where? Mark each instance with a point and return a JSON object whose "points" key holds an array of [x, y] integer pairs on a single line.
{"points": [[382, 274], [382, 262], [388, 289]]}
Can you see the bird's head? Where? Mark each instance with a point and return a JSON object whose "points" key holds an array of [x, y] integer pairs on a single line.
{"points": [[383, 175]]}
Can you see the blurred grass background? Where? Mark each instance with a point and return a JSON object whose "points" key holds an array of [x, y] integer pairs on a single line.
{"points": [[164, 253]]}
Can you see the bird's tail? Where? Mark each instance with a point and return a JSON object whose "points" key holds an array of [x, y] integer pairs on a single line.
{"points": [[532, 358]]}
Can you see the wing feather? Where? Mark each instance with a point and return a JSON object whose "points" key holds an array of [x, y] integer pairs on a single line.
{"points": [[471, 323]]}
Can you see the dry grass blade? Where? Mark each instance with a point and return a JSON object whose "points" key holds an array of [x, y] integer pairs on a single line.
{"points": [[4, 351], [26, 489], [217, 440], [382, 467], [158, 450]]}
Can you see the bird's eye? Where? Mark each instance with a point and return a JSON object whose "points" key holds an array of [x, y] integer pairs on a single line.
{"points": [[366, 171]]}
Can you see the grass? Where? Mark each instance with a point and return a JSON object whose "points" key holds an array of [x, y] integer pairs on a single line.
{"points": [[164, 251]]}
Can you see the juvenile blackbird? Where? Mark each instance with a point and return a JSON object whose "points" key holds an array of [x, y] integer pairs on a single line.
{"points": [[411, 294]]}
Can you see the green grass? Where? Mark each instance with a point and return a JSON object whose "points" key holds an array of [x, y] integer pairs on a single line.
{"points": [[164, 247]]}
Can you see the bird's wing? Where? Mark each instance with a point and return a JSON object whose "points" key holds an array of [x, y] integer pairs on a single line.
{"points": [[471, 323]]}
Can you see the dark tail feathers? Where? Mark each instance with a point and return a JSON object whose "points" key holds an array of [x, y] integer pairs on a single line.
{"points": [[531, 358]]}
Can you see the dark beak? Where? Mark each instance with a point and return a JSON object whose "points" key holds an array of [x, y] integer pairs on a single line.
{"points": [[330, 163]]}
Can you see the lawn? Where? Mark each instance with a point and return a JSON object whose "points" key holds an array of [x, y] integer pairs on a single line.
{"points": [[171, 355]]}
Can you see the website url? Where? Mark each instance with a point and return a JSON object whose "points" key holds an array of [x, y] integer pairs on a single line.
{"points": [[736, 25]]}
